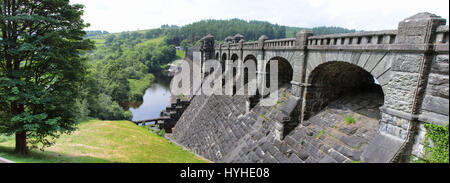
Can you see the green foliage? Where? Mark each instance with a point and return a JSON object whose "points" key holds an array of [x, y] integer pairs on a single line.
{"points": [[320, 134], [360, 161], [252, 30], [138, 87], [162, 133], [96, 33], [120, 71], [349, 120], [5, 138], [439, 151], [183, 97], [317, 31], [40, 69]]}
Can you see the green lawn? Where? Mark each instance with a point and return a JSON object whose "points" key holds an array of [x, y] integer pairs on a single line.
{"points": [[105, 142], [180, 54]]}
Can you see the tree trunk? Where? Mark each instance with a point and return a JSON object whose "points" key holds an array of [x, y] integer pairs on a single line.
{"points": [[21, 143]]}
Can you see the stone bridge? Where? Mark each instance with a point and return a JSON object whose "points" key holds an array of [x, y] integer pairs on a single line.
{"points": [[407, 66]]}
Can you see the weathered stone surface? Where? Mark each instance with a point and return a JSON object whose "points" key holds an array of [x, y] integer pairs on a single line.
{"points": [[382, 149], [440, 65], [224, 129], [436, 104]]}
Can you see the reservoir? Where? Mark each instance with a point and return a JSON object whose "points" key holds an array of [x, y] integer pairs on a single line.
{"points": [[156, 99]]}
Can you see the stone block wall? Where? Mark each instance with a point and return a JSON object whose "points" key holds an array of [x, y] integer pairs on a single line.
{"points": [[411, 64]]}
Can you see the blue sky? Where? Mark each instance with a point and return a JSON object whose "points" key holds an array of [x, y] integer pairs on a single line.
{"points": [[128, 15]]}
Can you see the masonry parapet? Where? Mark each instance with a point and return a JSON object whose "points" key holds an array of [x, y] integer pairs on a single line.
{"points": [[357, 38], [234, 46], [280, 43], [250, 45]]}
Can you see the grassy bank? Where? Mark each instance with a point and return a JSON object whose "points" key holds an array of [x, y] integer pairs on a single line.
{"points": [[105, 142]]}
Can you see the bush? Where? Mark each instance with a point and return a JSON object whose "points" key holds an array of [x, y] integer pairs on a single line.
{"points": [[439, 151], [162, 133], [349, 120]]}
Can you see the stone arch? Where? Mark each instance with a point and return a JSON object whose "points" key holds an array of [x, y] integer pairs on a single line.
{"points": [[250, 56], [246, 58], [376, 63], [330, 81], [234, 57], [217, 56], [285, 71], [222, 61], [224, 57]]}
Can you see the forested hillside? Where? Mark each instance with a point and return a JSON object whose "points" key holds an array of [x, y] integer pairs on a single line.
{"points": [[121, 70], [251, 30]]}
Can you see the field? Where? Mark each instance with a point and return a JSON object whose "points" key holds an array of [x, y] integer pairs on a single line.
{"points": [[104, 142]]}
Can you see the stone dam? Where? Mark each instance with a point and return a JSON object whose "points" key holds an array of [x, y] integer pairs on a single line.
{"points": [[390, 82]]}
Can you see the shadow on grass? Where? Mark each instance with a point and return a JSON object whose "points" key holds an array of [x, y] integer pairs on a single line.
{"points": [[36, 156]]}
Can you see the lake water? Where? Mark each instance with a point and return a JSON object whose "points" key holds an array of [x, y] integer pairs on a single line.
{"points": [[156, 99]]}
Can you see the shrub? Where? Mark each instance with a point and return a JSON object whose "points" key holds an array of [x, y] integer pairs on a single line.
{"points": [[320, 134], [349, 120], [439, 152], [162, 133]]}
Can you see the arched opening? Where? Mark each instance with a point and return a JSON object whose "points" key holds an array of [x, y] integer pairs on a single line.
{"points": [[342, 106], [355, 87], [222, 62], [254, 99], [234, 58], [247, 58], [217, 56], [285, 72]]}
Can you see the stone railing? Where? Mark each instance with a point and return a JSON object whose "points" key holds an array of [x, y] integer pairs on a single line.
{"points": [[224, 46], [357, 38], [250, 45], [234, 46], [280, 43]]}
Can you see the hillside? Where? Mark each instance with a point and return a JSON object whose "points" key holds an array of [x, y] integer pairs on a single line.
{"points": [[251, 30], [104, 142], [191, 33]]}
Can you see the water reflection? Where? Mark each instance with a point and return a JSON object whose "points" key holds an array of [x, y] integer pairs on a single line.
{"points": [[156, 99]]}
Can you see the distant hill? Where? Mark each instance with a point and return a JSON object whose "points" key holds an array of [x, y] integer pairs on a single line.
{"points": [[96, 33], [251, 30], [190, 34], [322, 30]]}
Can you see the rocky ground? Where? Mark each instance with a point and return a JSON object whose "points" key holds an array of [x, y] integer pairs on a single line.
{"points": [[332, 128]]}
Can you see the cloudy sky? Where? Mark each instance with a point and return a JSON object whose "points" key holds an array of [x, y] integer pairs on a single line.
{"points": [[127, 15]]}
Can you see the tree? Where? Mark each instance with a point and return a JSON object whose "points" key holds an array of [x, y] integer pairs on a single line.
{"points": [[41, 69]]}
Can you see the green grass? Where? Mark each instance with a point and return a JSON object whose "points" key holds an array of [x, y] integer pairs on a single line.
{"points": [[360, 161], [105, 142], [154, 41], [179, 57], [180, 54], [349, 120], [99, 42]]}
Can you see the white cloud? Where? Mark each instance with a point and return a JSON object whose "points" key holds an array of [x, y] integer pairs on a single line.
{"points": [[124, 15]]}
